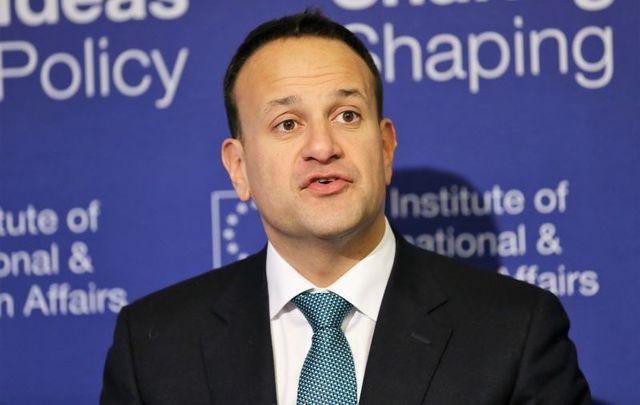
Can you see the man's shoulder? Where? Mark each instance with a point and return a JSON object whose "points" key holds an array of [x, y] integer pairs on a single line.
{"points": [[195, 295], [473, 287], [483, 305]]}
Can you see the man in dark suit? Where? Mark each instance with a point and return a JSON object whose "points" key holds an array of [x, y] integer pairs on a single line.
{"points": [[311, 148]]}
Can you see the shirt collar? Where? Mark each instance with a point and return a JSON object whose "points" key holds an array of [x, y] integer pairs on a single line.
{"points": [[363, 285]]}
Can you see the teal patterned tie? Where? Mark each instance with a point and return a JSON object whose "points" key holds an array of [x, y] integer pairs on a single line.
{"points": [[328, 375]]}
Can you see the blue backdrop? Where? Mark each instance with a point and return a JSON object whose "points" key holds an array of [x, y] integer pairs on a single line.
{"points": [[519, 143]]}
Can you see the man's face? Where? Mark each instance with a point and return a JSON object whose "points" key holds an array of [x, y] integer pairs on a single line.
{"points": [[314, 156]]}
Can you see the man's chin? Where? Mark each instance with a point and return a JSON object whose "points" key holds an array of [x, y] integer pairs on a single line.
{"points": [[341, 229]]}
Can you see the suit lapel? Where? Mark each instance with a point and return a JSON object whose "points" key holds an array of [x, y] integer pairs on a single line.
{"points": [[237, 353], [405, 351], [407, 342]]}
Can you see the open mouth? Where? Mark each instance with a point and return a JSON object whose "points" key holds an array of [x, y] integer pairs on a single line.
{"points": [[326, 180]]}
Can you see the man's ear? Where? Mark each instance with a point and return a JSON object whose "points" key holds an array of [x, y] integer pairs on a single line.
{"points": [[232, 152], [388, 134]]}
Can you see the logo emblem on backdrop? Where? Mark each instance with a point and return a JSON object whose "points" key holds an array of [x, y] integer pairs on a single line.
{"points": [[236, 230]]}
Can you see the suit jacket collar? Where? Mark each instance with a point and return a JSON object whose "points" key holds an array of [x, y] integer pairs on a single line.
{"points": [[237, 352], [405, 351], [407, 343]]}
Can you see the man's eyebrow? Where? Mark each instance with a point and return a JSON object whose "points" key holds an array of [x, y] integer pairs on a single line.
{"points": [[290, 100], [284, 101], [344, 93]]}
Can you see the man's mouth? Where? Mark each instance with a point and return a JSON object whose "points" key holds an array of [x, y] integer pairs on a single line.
{"points": [[326, 180], [326, 183]]}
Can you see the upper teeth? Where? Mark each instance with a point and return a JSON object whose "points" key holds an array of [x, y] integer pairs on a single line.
{"points": [[325, 180]]}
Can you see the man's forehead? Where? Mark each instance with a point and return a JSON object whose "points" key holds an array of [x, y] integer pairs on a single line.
{"points": [[286, 64], [341, 93], [315, 44]]}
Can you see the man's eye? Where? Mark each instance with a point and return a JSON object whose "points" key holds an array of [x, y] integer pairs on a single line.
{"points": [[348, 116], [287, 125]]}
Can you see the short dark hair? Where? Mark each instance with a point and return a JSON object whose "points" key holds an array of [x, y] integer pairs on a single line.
{"points": [[311, 23]]}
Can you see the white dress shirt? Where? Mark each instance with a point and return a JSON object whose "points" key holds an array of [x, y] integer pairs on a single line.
{"points": [[363, 286]]}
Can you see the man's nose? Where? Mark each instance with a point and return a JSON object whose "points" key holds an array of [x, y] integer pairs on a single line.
{"points": [[321, 143]]}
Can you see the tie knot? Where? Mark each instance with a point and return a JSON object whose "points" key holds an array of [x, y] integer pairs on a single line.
{"points": [[322, 310]]}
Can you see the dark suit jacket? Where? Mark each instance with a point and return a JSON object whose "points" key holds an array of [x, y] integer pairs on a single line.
{"points": [[446, 334]]}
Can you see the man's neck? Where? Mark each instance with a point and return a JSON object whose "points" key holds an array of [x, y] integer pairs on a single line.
{"points": [[323, 261]]}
